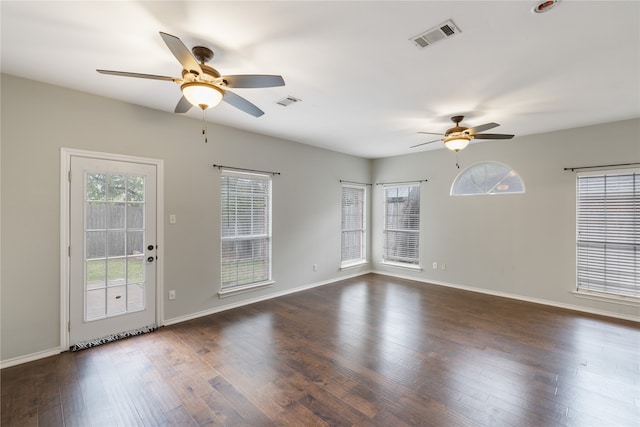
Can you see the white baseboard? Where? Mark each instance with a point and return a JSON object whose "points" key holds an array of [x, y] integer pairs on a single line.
{"points": [[52, 352], [29, 357], [516, 297], [203, 313]]}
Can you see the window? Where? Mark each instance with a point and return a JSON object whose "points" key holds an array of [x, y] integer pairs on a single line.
{"points": [[353, 226], [401, 225], [487, 178], [608, 233], [245, 230]]}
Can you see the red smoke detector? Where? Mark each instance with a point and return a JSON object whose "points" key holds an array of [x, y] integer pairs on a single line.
{"points": [[545, 6]]}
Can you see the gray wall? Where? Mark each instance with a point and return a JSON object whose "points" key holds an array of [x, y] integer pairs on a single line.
{"points": [[306, 208], [521, 244]]}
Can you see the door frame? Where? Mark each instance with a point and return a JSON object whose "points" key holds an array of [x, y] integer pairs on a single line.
{"points": [[65, 188]]}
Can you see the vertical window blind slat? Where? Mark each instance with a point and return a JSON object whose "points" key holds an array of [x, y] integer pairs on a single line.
{"points": [[608, 233]]}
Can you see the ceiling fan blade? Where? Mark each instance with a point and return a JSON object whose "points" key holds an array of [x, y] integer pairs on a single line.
{"points": [[183, 106], [425, 143], [242, 104], [431, 133], [253, 81], [486, 126], [180, 51], [138, 75], [493, 136]]}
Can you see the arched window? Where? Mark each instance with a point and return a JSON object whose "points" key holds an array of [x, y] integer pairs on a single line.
{"points": [[487, 178]]}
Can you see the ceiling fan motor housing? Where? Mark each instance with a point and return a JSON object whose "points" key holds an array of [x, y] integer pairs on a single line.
{"points": [[208, 75], [454, 130], [457, 128]]}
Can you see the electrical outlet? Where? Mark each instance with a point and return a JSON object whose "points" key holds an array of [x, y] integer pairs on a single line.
{"points": [[443, 266], [172, 219], [315, 267], [172, 295], [435, 266]]}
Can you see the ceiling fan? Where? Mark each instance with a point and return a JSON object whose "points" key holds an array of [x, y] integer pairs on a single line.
{"points": [[203, 86], [458, 137]]}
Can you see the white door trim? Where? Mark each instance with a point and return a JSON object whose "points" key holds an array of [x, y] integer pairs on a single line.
{"points": [[65, 166]]}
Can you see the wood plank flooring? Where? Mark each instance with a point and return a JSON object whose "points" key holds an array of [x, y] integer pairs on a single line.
{"points": [[367, 351]]}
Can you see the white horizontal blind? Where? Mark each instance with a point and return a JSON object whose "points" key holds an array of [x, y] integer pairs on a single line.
{"points": [[608, 229], [353, 224], [401, 224], [246, 229]]}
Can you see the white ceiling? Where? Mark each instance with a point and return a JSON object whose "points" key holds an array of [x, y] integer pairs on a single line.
{"points": [[365, 88]]}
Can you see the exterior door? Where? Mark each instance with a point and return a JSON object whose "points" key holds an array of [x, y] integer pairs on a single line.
{"points": [[112, 234]]}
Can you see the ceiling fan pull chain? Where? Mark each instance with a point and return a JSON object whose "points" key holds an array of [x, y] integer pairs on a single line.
{"points": [[457, 163], [204, 126]]}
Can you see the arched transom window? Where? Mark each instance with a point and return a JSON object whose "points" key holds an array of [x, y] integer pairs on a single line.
{"points": [[487, 178]]}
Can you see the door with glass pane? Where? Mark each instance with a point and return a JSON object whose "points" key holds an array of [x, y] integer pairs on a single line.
{"points": [[113, 248]]}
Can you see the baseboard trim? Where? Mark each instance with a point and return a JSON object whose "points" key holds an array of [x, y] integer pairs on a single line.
{"points": [[517, 297], [54, 351], [29, 357], [220, 309]]}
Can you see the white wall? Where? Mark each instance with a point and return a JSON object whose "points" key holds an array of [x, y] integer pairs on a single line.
{"points": [[306, 207], [520, 245]]}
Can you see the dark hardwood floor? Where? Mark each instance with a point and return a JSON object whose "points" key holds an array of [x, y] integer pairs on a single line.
{"points": [[368, 351]]}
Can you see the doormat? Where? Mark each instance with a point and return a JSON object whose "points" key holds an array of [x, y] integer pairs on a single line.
{"points": [[109, 338]]}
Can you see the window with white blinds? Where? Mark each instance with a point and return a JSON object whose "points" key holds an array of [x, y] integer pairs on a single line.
{"points": [[401, 224], [353, 225], [608, 232], [245, 230]]}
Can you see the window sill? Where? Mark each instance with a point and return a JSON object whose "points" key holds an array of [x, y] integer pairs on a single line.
{"points": [[224, 293], [353, 264], [400, 265], [616, 299]]}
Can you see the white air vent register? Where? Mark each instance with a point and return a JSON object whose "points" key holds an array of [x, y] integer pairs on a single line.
{"points": [[445, 30], [286, 101]]}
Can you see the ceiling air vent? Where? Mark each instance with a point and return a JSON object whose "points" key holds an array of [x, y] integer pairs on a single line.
{"points": [[445, 30], [285, 102]]}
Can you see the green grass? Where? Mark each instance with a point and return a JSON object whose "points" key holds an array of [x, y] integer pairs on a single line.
{"points": [[243, 273], [116, 270]]}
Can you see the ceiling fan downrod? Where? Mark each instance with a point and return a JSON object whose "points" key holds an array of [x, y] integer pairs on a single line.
{"points": [[202, 54]]}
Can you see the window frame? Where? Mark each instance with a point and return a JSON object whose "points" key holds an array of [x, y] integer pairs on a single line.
{"points": [[362, 249], [265, 236], [586, 247], [396, 261]]}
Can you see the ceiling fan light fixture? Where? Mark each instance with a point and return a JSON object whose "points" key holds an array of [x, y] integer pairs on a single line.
{"points": [[202, 95], [457, 143]]}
